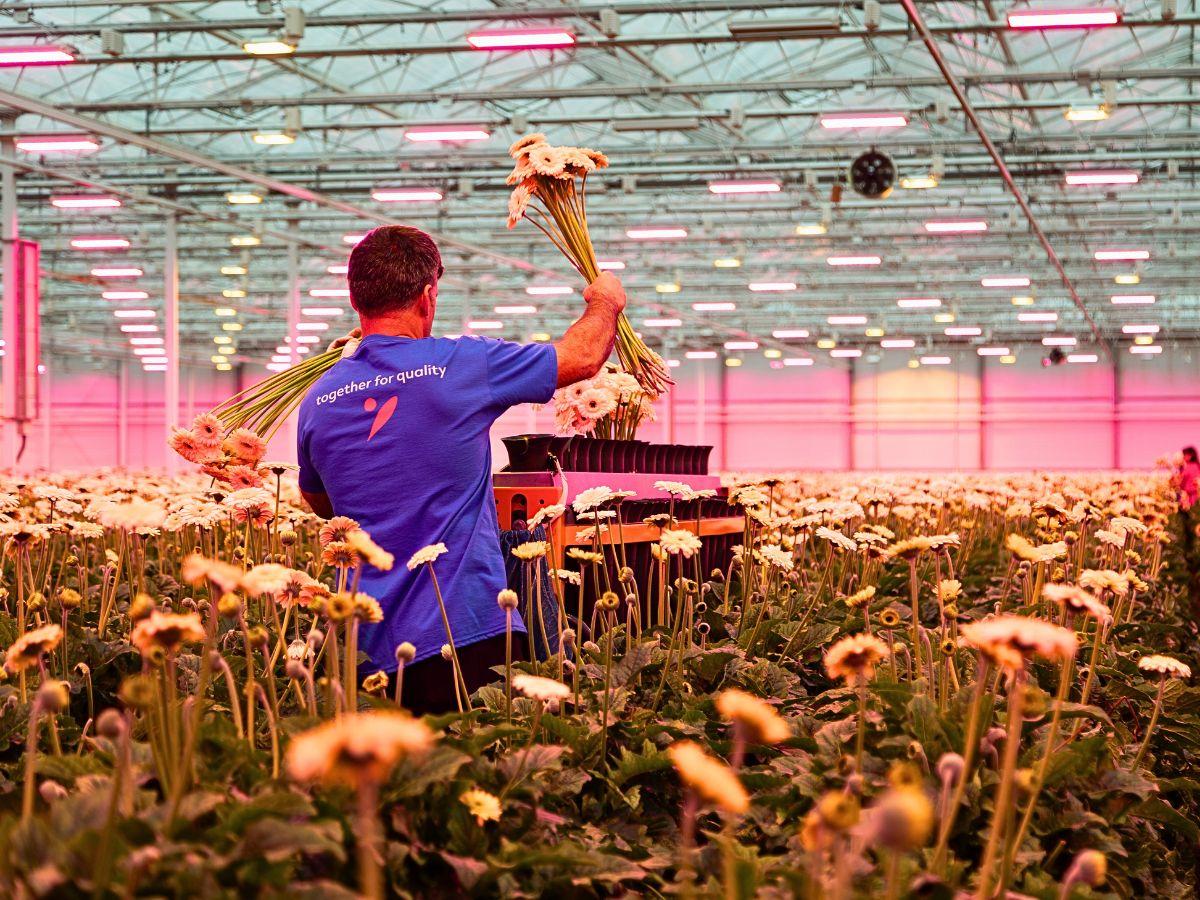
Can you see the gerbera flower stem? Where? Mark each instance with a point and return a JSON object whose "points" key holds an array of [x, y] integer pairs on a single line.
{"points": [[970, 746], [1004, 793], [1014, 842], [913, 586], [367, 849], [1158, 699], [861, 737], [450, 636]]}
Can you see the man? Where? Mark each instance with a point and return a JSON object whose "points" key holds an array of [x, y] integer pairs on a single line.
{"points": [[395, 436]]}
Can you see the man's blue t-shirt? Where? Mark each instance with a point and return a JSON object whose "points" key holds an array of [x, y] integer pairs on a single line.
{"points": [[397, 436]]}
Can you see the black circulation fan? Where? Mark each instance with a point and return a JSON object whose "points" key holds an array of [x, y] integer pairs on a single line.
{"points": [[873, 175]]}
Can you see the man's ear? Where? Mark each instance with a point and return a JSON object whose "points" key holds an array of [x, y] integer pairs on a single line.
{"points": [[429, 300]]}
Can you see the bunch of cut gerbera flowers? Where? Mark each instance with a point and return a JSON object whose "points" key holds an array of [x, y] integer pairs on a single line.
{"points": [[611, 405], [556, 177]]}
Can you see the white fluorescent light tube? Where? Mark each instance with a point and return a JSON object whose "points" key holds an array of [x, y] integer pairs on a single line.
{"points": [[701, 354], [329, 292], [330, 311], [447, 135], [1082, 358], [919, 302], [935, 360], [714, 307], [846, 320], [1005, 281], [405, 195], [117, 272], [1139, 329], [785, 334], [744, 187], [134, 314], [662, 323], [1119, 255], [853, 260], [797, 361], [772, 285], [1058, 341], [962, 227], [897, 343], [655, 234], [1089, 177], [1037, 317], [135, 328], [845, 353], [1063, 18], [993, 351], [548, 290], [963, 331], [864, 120], [515, 310], [1134, 299], [741, 345], [485, 325]]}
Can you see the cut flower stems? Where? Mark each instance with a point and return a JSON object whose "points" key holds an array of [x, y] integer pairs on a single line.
{"points": [[892, 686]]}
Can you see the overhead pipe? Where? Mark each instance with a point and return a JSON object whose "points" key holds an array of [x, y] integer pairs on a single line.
{"points": [[606, 91], [927, 38]]}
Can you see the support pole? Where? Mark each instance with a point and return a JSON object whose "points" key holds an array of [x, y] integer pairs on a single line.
{"points": [[8, 238], [291, 429], [171, 336], [123, 413], [852, 416], [1116, 411], [983, 413]]}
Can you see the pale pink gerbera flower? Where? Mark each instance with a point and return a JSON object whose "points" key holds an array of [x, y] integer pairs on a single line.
{"points": [[358, 748], [336, 529], [238, 477], [170, 631], [518, 202], [245, 446], [187, 445], [255, 515], [523, 145], [547, 160], [596, 404], [208, 430]]}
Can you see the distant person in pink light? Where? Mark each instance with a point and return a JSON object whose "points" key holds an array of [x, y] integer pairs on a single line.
{"points": [[1187, 478]]}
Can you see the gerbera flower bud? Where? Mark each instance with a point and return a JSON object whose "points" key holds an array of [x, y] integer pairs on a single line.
{"points": [[295, 668], [69, 598], [110, 724], [447, 652], [608, 601], [905, 774], [376, 683], [52, 791], [703, 629], [70, 560], [137, 692], [889, 618], [1025, 780], [625, 576], [950, 767], [839, 810], [1034, 702], [54, 696], [288, 538], [903, 819], [229, 605], [257, 636], [507, 599], [1090, 867]]}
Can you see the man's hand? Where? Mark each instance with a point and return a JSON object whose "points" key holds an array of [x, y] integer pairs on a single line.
{"points": [[607, 290], [348, 343]]}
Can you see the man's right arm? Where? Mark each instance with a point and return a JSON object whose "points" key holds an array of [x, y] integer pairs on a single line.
{"points": [[588, 343]]}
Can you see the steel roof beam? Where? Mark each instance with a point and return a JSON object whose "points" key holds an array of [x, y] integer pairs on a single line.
{"points": [[582, 42]]}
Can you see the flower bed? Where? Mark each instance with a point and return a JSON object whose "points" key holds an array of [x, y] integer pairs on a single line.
{"points": [[841, 710]]}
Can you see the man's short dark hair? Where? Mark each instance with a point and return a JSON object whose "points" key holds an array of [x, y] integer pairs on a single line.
{"points": [[390, 267]]}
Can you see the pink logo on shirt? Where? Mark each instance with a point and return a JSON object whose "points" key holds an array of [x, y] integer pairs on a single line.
{"points": [[381, 417]]}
